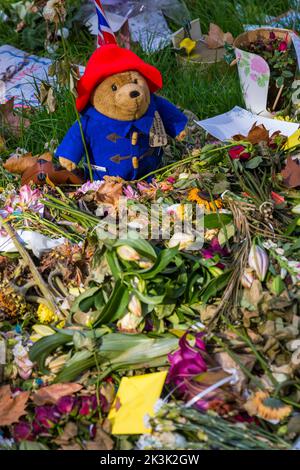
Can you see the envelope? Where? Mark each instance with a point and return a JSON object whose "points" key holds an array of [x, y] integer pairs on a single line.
{"points": [[293, 140], [135, 398]]}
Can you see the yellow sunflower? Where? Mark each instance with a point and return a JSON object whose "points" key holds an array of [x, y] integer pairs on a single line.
{"points": [[194, 195], [266, 407]]}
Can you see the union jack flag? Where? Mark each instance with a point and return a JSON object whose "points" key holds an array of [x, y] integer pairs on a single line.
{"points": [[105, 33]]}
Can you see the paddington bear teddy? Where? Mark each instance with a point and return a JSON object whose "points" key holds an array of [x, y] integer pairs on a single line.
{"points": [[124, 124]]}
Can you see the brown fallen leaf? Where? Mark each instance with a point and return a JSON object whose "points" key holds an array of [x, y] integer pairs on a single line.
{"points": [[109, 193], [11, 120], [18, 164], [2, 144], [216, 37], [47, 97], [102, 441], [52, 393], [12, 407], [69, 433], [291, 173]]}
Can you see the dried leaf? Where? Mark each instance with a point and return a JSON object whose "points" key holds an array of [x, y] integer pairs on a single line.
{"points": [[109, 193], [70, 432], [216, 37], [11, 407], [291, 173], [18, 164], [228, 363], [47, 97], [11, 120], [257, 134], [52, 393], [102, 441]]}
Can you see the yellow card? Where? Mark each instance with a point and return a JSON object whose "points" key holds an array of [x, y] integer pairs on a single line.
{"points": [[293, 140], [135, 398]]}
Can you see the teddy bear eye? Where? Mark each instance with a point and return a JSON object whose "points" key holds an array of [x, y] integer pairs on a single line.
{"points": [[114, 87], [135, 80]]}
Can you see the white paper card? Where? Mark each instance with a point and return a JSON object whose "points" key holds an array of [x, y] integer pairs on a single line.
{"points": [[22, 85], [239, 121]]}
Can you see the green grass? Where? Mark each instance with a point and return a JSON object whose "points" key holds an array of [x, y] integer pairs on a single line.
{"points": [[206, 92]]}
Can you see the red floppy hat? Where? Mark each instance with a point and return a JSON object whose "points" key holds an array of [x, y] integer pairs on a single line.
{"points": [[108, 60]]}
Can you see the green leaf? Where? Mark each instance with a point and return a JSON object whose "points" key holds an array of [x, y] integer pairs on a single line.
{"points": [[150, 299], [114, 264], [226, 233], [215, 286], [116, 305], [253, 163], [30, 445], [43, 348], [85, 301], [143, 247], [216, 220], [279, 81], [164, 258]]}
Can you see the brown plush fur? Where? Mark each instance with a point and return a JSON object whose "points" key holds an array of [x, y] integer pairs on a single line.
{"points": [[123, 96]]}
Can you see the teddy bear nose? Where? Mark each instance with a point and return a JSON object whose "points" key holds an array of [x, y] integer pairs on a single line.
{"points": [[134, 94]]}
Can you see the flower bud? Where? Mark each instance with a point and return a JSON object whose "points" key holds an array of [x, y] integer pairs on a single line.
{"points": [[259, 261], [135, 306], [129, 323], [184, 240], [247, 279], [127, 253]]}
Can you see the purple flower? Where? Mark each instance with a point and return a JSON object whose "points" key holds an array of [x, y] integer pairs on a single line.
{"points": [[22, 431], [214, 249], [186, 362], [66, 404], [47, 416], [272, 36]]}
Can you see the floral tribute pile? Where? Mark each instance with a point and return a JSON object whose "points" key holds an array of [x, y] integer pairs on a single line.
{"points": [[221, 318]]}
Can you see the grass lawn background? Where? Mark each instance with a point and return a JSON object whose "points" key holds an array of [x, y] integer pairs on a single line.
{"points": [[206, 92]]}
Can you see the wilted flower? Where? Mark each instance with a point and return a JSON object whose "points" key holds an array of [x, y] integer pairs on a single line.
{"points": [[22, 361], [182, 240], [135, 306], [45, 315], [266, 407], [22, 431], [54, 11], [186, 362], [66, 404], [247, 278], [238, 153], [130, 193], [46, 416], [259, 261], [129, 323], [88, 405], [127, 253], [89, 186]]}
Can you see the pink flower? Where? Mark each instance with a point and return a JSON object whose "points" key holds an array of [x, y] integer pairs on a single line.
{"points": [[282, 47], [22, 431], [88, 405], [259, 65], [272, 36], [130, 193], [171, 179], [186, 362], [88, 186], [238, 153]]}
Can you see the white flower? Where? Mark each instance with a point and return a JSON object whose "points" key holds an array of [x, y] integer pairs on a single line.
{"points": [[54, 11], [129, 322]]}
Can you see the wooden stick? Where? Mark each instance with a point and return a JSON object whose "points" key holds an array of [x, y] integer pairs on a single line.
{"points": [[38, 280], [277, 97]]}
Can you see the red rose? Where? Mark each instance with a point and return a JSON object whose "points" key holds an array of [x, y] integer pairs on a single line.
{"points": [[238, 153], [282, 47]]}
